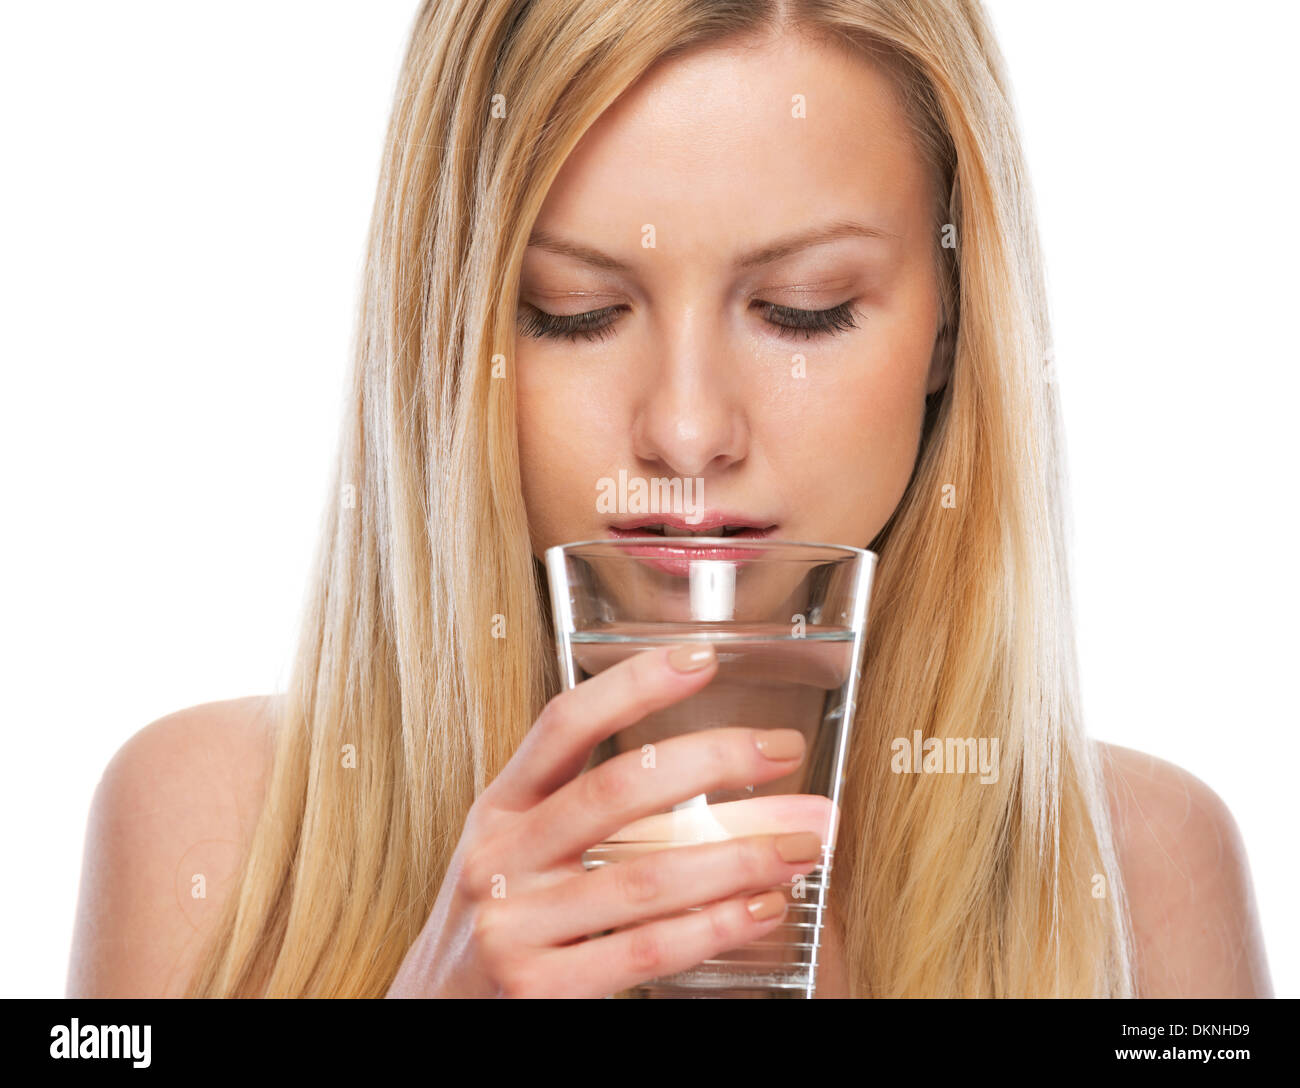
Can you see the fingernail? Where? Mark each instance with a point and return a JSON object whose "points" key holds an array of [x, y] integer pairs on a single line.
{"points": [[799, 846], [780, 743], [765, 906], [692, 656]]}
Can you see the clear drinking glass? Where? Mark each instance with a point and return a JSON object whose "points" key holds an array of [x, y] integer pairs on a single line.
{"points": [[788, 622]]}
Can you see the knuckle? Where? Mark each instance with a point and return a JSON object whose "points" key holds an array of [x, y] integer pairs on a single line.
{"points": [[644, 951], [606, 787], [477, 874], [635, 882], [754, 858], [555, 714], [719, 757], [519, 980], [723, 924], [479, 817], [487, 929]]}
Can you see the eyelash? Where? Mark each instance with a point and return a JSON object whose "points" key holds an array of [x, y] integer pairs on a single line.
{"points": [[593, 326]]}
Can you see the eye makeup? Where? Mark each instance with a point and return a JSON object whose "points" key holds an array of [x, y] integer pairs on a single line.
{"points": [[785, 321]]}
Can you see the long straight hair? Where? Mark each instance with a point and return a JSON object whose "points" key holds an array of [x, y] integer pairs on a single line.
{"points": [[403, 705]]}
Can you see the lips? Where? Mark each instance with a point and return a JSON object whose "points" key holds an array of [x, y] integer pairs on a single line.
{"points": [[676, 559], [712, 524]]}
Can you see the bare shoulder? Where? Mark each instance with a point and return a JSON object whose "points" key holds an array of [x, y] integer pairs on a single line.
{"points": [[168, 826], [1191, 900]]}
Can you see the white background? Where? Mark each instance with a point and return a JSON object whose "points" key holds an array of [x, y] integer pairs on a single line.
{"points": [[183, 205]]}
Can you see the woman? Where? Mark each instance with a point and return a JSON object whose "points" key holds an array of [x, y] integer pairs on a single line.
{"points": [[783, 248]]}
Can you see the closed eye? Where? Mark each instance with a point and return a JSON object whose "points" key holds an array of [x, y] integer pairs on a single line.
{"points": [[593, 325], [808, 323], [598, 324]]}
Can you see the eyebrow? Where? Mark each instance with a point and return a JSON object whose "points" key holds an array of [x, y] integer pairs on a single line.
{"points": [[773, 251]]}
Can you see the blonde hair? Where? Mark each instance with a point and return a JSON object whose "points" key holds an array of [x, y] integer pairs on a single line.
{"points": [[944, 887]]}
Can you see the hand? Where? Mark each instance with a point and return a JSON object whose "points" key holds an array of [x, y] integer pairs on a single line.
{"points": [[525, 836]]}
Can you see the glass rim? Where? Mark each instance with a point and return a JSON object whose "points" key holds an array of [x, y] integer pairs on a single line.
{"points": [[615, 545]]}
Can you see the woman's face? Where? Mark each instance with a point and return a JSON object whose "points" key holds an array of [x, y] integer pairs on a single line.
{"points": [[697, 221]]}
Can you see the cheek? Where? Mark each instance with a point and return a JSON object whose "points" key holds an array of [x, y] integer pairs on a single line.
{"points": [[859, 419], [562, 451], [544, 451], [872, 433]]}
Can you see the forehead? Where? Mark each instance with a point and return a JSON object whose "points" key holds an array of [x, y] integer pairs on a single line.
{"points": [[712, 145]]}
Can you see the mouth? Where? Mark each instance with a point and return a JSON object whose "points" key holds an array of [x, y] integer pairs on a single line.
{"points": [[713, 525], [675, 556]]}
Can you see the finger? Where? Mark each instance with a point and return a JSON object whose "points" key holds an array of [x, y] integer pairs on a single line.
{"points": [[666, 881], [606, 965], [575, 721], [601, 801]]}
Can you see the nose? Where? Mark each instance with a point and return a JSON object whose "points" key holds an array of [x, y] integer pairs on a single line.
{"points": [[691, 417]]}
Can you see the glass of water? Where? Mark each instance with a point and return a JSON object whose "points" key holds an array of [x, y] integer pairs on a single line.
{"points": [[787, 620]]}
